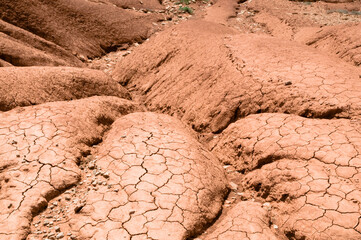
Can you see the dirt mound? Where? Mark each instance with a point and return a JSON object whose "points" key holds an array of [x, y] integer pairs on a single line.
{"points": [[86, 28], [308, 170], [148, 179], [342, 40], [246, 220], [34, 85], [209, 76], [22, 48], [40, 147]]}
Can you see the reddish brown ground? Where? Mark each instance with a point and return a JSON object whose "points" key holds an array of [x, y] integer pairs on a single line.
{"points": [[129, 119]]}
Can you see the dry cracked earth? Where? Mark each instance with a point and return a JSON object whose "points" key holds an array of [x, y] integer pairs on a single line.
{"points": [[180, 120]]}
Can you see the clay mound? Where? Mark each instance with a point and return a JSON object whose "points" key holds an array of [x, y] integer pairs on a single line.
{"points": [[209, 76], [40, 147], [86, 28], [22, 48], [246, 220], [34, 85], [342, 40], [307, 169], [148, 179]]}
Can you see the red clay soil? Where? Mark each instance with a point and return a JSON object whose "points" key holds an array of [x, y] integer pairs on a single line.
{"points": [[160, 183], [332, 26], [209, 76], [343, 40], [22, 48], [4, 63], [35, 85], [246, 220], [270, 87], [148, 5], [40, 149], [79, 26], [306, 170]]}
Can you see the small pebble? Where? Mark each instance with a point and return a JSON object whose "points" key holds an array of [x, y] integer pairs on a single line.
{"points": [[234, 186], [60, 235]]}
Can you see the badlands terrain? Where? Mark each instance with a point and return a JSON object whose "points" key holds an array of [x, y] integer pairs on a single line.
{"points": [[177, 119]]}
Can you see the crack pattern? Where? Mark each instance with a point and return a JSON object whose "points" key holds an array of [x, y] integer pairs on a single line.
{"points": [[161, 183], [307, 169], [40, 148]]}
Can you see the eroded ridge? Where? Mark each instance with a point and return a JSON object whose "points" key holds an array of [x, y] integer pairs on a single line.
{"points": [[35, 85], [161, 183], [210, 76], [22, 48], [40, 147], [84, 28], [343, 40], [307, 169], [246, 220]]}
